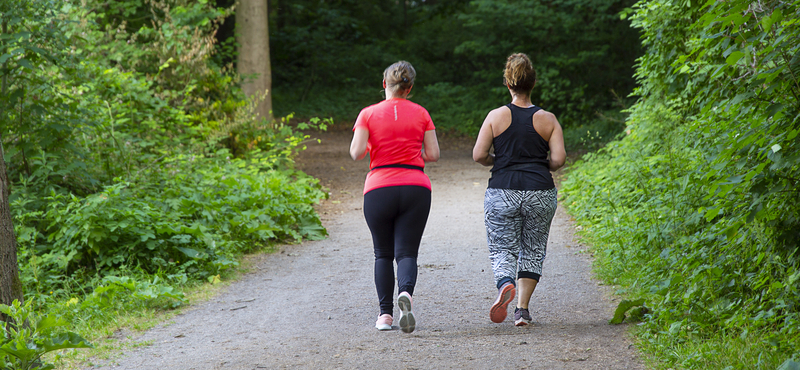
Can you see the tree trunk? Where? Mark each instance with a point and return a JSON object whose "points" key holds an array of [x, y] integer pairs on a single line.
{"points": [[10, 285], [253, 38]]}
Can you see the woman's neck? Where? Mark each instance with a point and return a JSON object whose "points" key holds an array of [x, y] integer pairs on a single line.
{"points": [[520, 100], [390, 96]]}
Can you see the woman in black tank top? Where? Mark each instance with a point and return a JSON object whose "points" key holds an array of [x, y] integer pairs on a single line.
{"points": [[520, 201]]}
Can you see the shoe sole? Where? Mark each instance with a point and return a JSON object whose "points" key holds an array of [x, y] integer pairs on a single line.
{"points": [[499, 309], [407, 322], [521, 322], [383, 327]]}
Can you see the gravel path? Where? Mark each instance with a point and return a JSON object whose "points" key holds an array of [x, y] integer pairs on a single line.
{"points": [[313, 305]]}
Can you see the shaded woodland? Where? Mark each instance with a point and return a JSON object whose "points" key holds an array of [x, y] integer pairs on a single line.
{"points": [[139, 162]]}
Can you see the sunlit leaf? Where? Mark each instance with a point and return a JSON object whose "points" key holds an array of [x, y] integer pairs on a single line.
{"points": [[734, 57]]}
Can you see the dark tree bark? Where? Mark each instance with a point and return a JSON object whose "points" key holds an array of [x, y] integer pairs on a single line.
{"points": [[10, 285], [252, 35]]}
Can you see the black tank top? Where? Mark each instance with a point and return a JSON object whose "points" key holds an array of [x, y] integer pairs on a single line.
{"points": [[520, 161]]}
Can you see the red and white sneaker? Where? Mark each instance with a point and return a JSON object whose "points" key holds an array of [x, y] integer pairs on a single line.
{"points": [[499, 309]]}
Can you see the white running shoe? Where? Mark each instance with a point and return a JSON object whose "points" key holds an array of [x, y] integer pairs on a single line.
{"points": [[407, 322]]}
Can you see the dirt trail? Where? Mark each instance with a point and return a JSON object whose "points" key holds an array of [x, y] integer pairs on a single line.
{"points": [[313, 305]]}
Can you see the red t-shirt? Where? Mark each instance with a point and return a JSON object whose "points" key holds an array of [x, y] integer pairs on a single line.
{"points": [[396, 130]]}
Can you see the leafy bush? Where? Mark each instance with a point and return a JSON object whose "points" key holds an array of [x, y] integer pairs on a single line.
{"points": [[693, 209], [199, 215], [131, 150], [23, 344]]}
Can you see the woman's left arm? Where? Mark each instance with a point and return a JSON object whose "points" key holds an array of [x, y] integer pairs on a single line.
{"points": [[558, 155], [358, 147]]}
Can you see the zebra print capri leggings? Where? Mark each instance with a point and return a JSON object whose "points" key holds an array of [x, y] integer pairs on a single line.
{"points": [[517, 227]]}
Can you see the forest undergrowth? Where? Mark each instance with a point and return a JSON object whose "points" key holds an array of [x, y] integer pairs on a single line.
{"points": [[137, 168], [693, 212]]}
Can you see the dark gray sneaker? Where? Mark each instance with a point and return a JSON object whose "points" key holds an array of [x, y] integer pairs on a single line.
{"points": [[522, 317]]}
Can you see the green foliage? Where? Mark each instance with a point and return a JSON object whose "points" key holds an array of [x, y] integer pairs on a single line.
{"points": [[27, 338], [328, 58], [198, 214], [136, 164], [35, 112], [694, 208]]}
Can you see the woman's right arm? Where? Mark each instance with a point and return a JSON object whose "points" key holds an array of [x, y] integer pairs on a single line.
{"points": [[483, 145], [358, 147]]}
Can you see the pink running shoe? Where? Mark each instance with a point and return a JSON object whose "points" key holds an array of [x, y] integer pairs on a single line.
{"points": [[407, 322], [384, 322], [499, 309]]}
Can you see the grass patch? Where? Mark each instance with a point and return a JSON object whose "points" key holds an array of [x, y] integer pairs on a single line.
{"points": [[749, 348], [117, 331]]}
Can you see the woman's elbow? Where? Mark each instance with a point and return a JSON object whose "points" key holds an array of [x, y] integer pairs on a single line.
{"points": [[357, 154], [479, 156], [431, 156], [557, 162]]}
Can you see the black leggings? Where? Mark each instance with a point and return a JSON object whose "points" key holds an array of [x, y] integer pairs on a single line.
{"points": [[396, 217]]}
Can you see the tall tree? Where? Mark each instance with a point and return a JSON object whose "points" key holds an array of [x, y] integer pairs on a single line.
{"points": [[10, 284], [253, 39]]}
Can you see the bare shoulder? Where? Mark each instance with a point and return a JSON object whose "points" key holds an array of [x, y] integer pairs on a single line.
{"points": [[545, 123], [499, 112], [498, 115], [545, 116]]}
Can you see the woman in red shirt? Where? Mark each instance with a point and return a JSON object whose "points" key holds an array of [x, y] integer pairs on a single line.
{"points": [[399, 137]]}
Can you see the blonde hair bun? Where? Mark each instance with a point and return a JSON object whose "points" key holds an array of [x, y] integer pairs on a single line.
{"points": [[399, 76], [519, 74]]}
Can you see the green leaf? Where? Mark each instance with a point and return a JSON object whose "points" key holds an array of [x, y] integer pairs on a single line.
{"points": [[711, 213], [25, 63], [776, 148], [734, 57], [49, 322], [789, 365], [774, 109], [13, 348], [622, 308], [63, 341], [733, 180], [767, 22], [189, 252]]}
